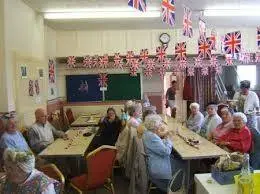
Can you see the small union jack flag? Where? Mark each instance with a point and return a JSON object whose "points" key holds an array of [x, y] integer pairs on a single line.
{"points": [[144, 55], [204, 48], [214, 61], [180, 51], [87, 61], [232, 42], [182, 64], [95, 60], [257, 57], [168, 12], [149, 68], [31, 91], [118, 61], [213, 38], [205, 71], [228, 60], [191, 71], [130, 56], [138, 4], [161, 53], [102, 80], [103, 61], [197, 62], [134, 66], [187, 23], [258, 37], [71, 61], [202, 29], [51, 71]]}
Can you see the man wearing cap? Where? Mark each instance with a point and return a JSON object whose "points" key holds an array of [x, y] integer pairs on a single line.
{"points": [[248, 103]]}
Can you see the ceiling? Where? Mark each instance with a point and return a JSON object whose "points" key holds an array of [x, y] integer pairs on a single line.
{"points": [[147, 23]]}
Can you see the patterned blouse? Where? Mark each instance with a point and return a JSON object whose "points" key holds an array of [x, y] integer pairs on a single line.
{"points": [[36, 183]]}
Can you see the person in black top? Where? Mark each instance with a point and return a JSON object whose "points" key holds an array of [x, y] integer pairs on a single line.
{"points": [[170, 98], [110, 127]]}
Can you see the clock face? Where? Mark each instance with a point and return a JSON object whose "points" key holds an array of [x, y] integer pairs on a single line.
{"points": [[165, 38]]}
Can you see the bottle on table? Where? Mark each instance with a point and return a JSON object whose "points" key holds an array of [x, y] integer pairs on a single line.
{"points": [[245, 179]]}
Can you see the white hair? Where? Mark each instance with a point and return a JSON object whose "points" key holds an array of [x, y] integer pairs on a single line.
{"points": [[195, 105], [241, 115], [5, 121], [23, 160], [152, 122]]}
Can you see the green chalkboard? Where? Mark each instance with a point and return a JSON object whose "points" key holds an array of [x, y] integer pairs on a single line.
{"points": [[123, 87]]}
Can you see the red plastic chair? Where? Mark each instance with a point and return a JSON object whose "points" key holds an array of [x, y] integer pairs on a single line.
{"points": [[100, 164], [69, 115]]}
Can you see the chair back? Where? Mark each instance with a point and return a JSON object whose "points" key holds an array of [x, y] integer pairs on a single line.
{"points": [[69, 115], [52, 171], [177, 182], [100, 164]]}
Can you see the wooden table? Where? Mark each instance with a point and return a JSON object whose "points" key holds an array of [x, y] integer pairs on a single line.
{"points": [[187, 152], [76, 146], [86, 120]]}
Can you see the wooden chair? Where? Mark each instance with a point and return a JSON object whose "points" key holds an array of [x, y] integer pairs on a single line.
{"points": [[100, 167], [52, 171], [69, 115]]}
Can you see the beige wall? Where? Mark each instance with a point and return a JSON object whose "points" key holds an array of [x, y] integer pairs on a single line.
{"points": [[81, 43], [50, 53], [24, 35], [3, 90]]}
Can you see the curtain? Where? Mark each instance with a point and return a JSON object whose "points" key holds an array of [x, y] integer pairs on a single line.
{"points": [[203, 87]]}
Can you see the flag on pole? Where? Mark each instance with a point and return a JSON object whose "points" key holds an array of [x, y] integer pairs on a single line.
{"points": [[204, 49], [180, 51]]}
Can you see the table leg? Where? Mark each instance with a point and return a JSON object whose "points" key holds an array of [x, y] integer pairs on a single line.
{"points": [[188, 177]]}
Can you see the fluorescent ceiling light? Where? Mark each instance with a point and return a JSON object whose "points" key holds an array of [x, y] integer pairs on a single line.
{"points": [[101, 14], [231, 12]]}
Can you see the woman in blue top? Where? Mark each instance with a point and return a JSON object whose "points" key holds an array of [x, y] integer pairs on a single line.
{"points": [[158, 150]]}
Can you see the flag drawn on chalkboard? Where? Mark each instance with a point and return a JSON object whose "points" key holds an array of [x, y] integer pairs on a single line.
{"points": [[83, 86]]}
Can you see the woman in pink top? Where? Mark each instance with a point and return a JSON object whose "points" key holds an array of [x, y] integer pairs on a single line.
{"points": [[224, 127]]}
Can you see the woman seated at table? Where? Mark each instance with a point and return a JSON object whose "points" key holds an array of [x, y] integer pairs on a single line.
{"points": [[22, 177], [110, 127], [211, 121], [196, 118], [224, 127], [158, 152], [239, 137], [135, 113]]}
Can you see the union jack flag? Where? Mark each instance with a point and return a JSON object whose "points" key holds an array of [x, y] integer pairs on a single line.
{"points": [[187, 23], [232, 42], [51, 71], [130, 56], [168, 12], [102, 80], [161, 53], [180, 51], [202, 29], [71, 61], [138, 4], [87, 61], [258, 37], [103, 61], [118, 61], [144, 55], [204, 48], [213, 38]]}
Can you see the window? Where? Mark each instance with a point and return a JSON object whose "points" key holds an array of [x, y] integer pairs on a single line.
{"points": [[247, 72]]}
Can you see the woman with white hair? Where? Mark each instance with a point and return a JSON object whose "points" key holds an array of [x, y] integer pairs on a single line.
{"points": [[23, 178], [158, 152], [12, 137], [135, 113], [196, 118], [211, 121], [239, 138]]}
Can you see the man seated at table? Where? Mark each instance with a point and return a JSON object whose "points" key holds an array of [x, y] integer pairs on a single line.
{"points": [[196, 118], [211, 121], [42, 133], [239, 138]]}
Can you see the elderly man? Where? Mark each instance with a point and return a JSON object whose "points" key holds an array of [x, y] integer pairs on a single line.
{"points": [[248, 103], [196, 118], [42, 133]]}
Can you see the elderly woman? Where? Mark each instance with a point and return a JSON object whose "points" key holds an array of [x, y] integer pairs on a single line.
{"points": [[12, 138], [211, 121], [239, 138], [22, 177], [196, 118], [158, 152], [110, 127], [135, 113], [224, 127]]}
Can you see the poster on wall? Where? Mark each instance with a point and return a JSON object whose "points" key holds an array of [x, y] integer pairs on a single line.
{"points": [[23, 71], [40, 73]]}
